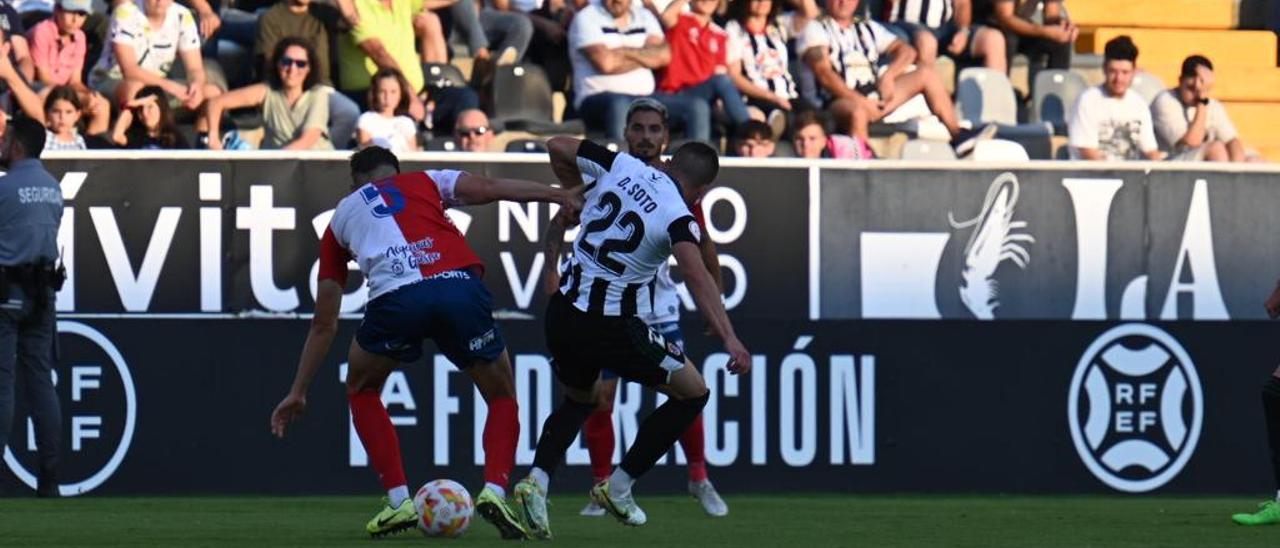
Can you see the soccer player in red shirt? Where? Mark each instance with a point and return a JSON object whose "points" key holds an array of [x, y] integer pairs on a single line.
{"points": [[424, 282]]}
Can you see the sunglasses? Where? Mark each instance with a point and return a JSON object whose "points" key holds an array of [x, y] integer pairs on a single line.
{"points": [[286, 61], [471, 132]]}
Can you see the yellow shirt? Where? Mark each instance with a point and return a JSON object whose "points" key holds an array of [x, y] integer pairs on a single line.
{"points": [[394, 27]]}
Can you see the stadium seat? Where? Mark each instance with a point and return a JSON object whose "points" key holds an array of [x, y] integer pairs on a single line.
{"points": [[984, 95], [522, 101], [1175, 14], [1036, 139], [784, 149], [922, 149], [1147, 85], [527, 145], [442, 144], [999, 150], [1053, 96], [443, 75]]}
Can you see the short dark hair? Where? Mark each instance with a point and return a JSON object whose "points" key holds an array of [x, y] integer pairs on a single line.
{"points": [[313, 74], [647, 104], [29, 134], [371, 158], [754, 129], [698, 162], [1121, 48], [63, 93], [1190, 64], [806, 118]]}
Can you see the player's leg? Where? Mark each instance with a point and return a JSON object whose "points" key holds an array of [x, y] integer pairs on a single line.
{"points": [[1269, 512], [693, 442], [462, 326], [366, 374], [574, 339], [599, 435]]}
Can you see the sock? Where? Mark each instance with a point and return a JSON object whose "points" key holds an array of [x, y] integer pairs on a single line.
{"points": [[397, 495], [378, 436], [659, 432], [497, 489], [620, 483], [694, 444], [600, 440], [501, 432], [558, 432], [1271, 409], [541, 478]]}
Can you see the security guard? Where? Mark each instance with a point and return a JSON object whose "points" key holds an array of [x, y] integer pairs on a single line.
{"points": [[30, 212]]}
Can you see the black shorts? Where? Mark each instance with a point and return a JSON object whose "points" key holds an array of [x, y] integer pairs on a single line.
{"points": [[582, 344]]}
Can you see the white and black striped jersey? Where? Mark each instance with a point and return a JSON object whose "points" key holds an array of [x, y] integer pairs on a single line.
{"points": [[930, 13], [632, 215], [764, 55], [853, 51]]}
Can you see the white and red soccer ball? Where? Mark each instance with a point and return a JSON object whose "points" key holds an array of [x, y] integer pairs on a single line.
{"points": [[444, 508]]}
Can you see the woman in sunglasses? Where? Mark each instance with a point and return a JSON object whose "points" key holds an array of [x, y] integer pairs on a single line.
{"points": [[295, 108]]}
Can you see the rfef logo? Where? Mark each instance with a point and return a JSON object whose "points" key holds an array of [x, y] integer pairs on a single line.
{"points": [[1135, 408], [99, 411]]}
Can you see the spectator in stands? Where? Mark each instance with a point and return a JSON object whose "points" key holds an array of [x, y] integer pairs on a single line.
{"points": [[754, 139], [758, 56], [549, 46], [60, 111], [1048, 43], [1111, 121], [1191, 126], [147, 123], [387, 118], [615, 46], [296, 18], [844, 53], [473, 132], [384, 38], [485, 24], [295, 109], [145, 40], [433, 41], [58, 49], [14, 33], [811, 140], [930, 25], [698, 68]]}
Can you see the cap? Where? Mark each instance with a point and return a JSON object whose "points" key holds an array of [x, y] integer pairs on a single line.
{"points": [[85, 6]]}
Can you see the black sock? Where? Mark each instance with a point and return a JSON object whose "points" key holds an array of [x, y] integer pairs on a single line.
{"points": [[558, 433], [1271, 408], [659, 432]]}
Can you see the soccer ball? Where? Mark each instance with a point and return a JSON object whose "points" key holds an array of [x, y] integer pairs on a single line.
{"points": [[444, 508]]}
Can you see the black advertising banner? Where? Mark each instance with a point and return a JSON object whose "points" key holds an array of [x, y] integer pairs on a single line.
{"points": [[1127, 354], [855, 406]]}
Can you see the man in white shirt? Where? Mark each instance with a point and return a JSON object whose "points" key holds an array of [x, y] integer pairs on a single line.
{"points": [[145, 40], [1111, 121], [1192, 127]]}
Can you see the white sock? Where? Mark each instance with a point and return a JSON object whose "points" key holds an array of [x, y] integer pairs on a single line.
{"points": [[497, 489], [620, 483], [1277, 495], [541, 478], [398, 495]]}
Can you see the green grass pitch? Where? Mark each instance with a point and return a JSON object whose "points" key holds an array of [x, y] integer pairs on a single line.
{"points": [[791, 521]]}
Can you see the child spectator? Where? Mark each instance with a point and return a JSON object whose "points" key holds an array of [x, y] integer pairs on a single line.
{"points": [[387, 118], [811, 140], [754, 140], [148, 124]]}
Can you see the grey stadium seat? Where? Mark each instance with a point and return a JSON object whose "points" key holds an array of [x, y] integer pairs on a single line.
{"points": [[924, 149], [984, 95], [1147, 85], [998, 150], [522, 101], [527, 145], [1054, 95], [443, 75], [442, 144]]}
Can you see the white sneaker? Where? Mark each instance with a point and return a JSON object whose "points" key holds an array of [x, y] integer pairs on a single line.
{"points": [[708, 498], [623, 508], [777, 121], [592, 510]]}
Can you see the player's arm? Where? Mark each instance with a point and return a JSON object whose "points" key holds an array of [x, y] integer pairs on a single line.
{"points": [[551, 251], [476, 190], [710, 256], [324, 325], [700, 285]]}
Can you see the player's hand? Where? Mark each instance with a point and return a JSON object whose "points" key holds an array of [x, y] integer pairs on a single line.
{"points": [[571, 205], [739, 357], [290, 408], [1273, 303]]}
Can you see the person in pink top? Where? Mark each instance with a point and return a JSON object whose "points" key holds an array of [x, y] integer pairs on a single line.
{"points": [[58, 48]]}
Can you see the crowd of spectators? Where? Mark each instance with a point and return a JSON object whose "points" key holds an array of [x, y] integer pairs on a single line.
{"points": [[765, 77]]}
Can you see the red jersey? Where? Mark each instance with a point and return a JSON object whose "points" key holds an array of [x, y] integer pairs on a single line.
{"points": [[697, 50]]}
